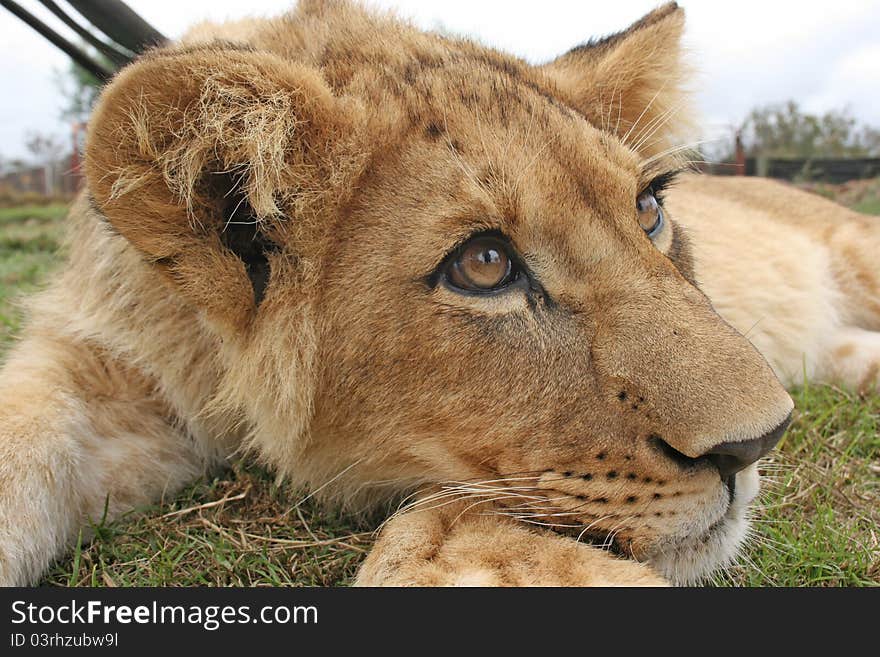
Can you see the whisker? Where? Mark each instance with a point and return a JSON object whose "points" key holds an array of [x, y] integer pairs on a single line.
{"points": [[541, 524], [532, 161], [484, 501], [655, 125], [327, 483], [590, 526], [647, 107], [671, 151]]}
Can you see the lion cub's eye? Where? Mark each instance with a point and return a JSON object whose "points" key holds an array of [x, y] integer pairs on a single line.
{"points": [[482, 264], [650, 213]]}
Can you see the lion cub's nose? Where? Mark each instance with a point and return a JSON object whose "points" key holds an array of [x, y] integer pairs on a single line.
{"points": [[731, 457]]}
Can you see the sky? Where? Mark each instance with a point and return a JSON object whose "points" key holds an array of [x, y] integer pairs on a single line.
{"points": [[747, 53]]}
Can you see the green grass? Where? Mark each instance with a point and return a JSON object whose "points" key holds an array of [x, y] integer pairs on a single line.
{"points": [[868, 206], [818, 525], [28, 213], [820, 514], [29, 244]]}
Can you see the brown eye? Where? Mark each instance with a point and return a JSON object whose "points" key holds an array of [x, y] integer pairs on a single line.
{"points": [[482, 264], [650, 213]]}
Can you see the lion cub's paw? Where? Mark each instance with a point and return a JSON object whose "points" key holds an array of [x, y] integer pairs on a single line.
{"points": [[456, 546]]}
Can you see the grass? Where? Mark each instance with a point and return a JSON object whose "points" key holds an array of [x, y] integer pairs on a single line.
{"points": [[29, 245], [238, 529], [860, 195], [819, 524], [868, 206]]}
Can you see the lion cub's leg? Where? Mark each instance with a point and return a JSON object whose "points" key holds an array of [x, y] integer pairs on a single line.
{"points": [[453, 545], [853, 359], [77, 430]]}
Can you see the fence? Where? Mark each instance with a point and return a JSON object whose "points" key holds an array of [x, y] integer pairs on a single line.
{"points": [[829, 170], [57, 179]]}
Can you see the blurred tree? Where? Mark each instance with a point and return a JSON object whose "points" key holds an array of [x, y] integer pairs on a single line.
{"points": [[15, 164], [80, 88], [784, 130], [46, 151]]}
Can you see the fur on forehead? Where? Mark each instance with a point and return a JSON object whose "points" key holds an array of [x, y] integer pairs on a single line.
{"points": [[630, 84]]}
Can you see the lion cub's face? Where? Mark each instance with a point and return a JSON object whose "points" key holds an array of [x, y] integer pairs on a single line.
{"points": [[503, 312], [499, 301]]}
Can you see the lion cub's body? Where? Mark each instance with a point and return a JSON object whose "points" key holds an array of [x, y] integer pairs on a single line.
{"points": [[796, 273], [164, 346]]}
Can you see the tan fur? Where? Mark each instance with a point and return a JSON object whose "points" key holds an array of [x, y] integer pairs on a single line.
{"points": [[350, 153], [459, 545], [794, 272]]}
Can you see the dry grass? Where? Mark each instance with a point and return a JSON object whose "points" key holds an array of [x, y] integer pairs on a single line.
{"points": [[860, 195], [238, 529]]}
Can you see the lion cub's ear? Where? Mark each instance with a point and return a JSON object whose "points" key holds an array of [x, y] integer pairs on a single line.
{"points": [[630, 83], [205, 158]]}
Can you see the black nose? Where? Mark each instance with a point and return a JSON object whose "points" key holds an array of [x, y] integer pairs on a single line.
{"points": [[731, 457]]}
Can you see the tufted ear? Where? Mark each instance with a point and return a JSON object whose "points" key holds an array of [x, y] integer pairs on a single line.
{"points": [[630, 83], [204, 159]]}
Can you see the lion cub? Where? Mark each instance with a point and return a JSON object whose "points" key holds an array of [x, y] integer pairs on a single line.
{"points": [[388, 261]]}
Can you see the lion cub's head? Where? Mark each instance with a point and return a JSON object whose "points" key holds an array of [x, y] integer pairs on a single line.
{"points": [[432, 262]]}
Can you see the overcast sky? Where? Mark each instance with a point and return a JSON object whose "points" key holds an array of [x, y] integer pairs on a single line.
{"points": [[823, 54]]}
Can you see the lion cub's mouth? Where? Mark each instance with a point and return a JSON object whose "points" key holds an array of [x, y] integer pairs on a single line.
{"points": [[717, 533], [730, 482]]}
